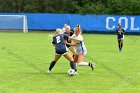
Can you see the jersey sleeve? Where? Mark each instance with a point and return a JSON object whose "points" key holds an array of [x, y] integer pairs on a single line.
{"points": [[71, 33], [80, 37], [123, 30], [53, 42]]}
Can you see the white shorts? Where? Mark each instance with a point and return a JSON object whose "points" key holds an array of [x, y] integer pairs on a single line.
{"points": [[81, 51]]}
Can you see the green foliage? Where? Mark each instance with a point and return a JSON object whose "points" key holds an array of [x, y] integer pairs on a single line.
{"points": [[121, 7]]}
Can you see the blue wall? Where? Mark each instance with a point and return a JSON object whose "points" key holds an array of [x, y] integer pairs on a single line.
{"points": [[108, 23]]}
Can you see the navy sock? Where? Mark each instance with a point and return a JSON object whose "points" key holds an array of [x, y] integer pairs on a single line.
{"points": [[75, 67], [119, 47], [72, 65], [52, 65], [89, 64]]}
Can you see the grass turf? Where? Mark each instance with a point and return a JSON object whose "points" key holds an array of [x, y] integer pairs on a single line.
{"points": [[25, 57]]}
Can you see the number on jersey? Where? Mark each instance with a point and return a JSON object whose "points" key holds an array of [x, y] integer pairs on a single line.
{"points": [[58, 39]]}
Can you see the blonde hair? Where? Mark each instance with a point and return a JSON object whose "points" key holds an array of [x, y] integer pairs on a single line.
{"points": [[65, 25], [79, 28], [68, 27], [58, 31]]}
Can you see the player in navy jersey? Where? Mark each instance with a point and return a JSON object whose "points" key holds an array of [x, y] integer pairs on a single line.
{"points": [[60, 49], [120, 36], [70, 33]]}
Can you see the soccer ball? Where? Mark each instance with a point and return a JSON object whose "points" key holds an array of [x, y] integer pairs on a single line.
{"points": [[71, 72]]}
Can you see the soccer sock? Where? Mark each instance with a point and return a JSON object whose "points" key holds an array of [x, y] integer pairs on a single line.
{"points": [[52, 65], [75, 65], [83, 64], [72, 65], [119, 47], [89, 64]]}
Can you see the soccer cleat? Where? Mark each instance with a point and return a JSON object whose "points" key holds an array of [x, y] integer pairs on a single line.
{"points": [[121, 50], [76, 73], [92, 66], [48, 71]]}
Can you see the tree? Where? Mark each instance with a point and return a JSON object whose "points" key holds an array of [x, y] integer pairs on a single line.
{"points": [[121, 7]]}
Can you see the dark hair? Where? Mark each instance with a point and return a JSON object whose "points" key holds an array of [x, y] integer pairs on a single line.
{"points": [[119, 24], [78, 26]]}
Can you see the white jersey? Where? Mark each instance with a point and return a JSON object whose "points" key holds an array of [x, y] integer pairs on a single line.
{"points": [[80, 47]]}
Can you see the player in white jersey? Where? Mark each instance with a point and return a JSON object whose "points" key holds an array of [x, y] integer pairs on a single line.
{"points": [[80, 48]]}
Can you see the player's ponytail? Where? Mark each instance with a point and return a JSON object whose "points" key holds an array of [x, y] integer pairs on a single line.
{"points": [[58, 31], [79, 28]]}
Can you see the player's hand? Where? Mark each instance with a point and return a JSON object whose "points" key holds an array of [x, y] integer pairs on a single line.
{"points": [[50, 36], [65, 42], [70, 38]]}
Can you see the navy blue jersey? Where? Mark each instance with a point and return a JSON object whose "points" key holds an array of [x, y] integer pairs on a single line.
{"points": [[71, 33], [120, 33], [58, 41]]}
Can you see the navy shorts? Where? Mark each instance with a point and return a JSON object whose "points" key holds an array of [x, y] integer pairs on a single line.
{"points": [[61, 52], [120, 37]]}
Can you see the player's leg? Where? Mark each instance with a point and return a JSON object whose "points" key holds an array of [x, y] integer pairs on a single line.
{"points": [[76, 58], [75, 61], [119, 44], [68, 56], [81, 63], [72, 49], [56, 58]]}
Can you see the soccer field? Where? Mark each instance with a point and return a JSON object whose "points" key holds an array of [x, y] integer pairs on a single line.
{"points": [[25, 58]]}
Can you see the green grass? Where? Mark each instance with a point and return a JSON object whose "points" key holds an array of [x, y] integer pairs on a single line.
{"points": [[24, 60]]}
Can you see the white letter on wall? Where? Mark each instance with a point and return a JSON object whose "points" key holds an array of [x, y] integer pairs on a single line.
{"points": [[107, 23], [125, 22], [132, 24]]}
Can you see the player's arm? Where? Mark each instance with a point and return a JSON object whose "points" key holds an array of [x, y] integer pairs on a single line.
{"points": [[117, 32], [123, 31], [71, 44], [77, 39], [53, 42], [50, 36]]}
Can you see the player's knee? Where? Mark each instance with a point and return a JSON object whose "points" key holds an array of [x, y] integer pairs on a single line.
{"points": [[54, 61], [71, 59], [78, 62]]}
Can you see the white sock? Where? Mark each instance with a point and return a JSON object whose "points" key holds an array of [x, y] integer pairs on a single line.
{"points": [[83, 64]]}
